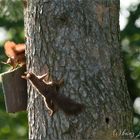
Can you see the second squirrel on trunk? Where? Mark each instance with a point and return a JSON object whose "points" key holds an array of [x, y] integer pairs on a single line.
{"points": [[52, 98]]}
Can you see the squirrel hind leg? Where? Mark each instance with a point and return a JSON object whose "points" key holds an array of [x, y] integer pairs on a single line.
{"points": [[50, 106]]}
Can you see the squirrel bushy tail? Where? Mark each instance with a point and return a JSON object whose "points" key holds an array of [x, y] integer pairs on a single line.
{"points": [[67, 105]]}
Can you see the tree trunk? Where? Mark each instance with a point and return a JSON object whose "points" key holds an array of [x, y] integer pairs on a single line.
{"points": [[79, 41]]}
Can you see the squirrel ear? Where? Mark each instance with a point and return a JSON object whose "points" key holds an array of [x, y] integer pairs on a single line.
{"points": [[61, 82]]}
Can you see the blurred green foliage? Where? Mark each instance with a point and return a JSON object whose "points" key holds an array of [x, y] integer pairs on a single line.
{"points": [[130, 39], [11, 10], [13, 126]]}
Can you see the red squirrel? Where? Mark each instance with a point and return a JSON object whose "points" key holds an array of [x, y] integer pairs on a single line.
{"points": [[16, 54], [50, 92]]}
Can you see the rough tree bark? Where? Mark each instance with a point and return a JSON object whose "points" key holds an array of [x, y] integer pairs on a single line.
{"points": [[77, 40]]}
